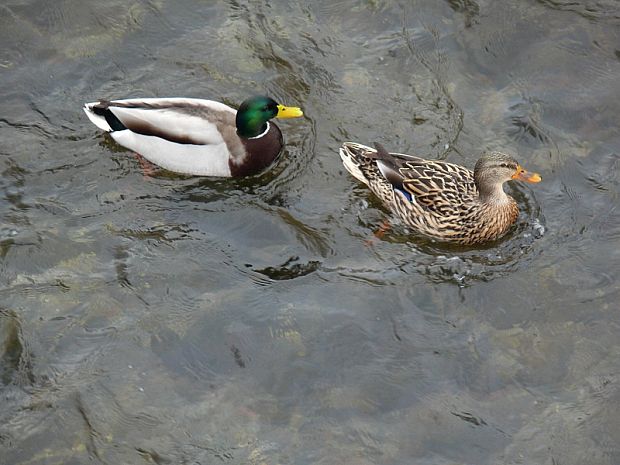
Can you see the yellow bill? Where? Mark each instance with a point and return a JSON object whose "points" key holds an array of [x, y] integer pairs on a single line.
{"points": [[289, 112]]}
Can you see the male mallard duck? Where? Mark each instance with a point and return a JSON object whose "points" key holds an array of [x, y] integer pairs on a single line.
{"points": [[195, 136], [441, 200]]}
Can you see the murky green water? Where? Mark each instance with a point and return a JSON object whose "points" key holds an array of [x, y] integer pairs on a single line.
{"points": [[177, 320]]}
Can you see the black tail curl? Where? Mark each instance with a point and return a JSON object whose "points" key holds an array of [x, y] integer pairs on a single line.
{"points": [[102, 109]]}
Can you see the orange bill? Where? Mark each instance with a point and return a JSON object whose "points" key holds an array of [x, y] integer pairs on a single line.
{"points": [[523, 175]]}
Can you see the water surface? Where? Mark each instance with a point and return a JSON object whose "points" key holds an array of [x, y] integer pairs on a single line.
{"points": [[172, 319]]}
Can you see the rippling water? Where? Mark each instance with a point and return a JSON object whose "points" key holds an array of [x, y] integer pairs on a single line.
{"points": [[171, 319]]}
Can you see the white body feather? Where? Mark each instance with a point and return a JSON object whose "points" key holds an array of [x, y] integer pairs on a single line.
{"points": [[209, 156]]}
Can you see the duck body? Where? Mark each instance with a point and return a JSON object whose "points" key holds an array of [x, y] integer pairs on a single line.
{"points": [[195, 136], [441, 200]]}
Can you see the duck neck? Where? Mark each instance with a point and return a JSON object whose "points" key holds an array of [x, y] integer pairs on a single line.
{"points": [[249, 124], [253, 133], [492, 193]]}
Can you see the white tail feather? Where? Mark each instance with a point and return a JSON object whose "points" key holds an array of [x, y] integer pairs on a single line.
{"points": [[97, 120]]}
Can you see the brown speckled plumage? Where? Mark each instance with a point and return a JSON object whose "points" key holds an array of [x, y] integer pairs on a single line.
{"points": [[441, 200]]}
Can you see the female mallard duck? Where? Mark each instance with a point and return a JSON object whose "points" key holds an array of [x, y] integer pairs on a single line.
{"points": [[441, 200], [195, 136]]}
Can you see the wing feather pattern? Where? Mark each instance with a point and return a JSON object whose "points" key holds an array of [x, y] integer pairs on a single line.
{"points": [[193, 136]]}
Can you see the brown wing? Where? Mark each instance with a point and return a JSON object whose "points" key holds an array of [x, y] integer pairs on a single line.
{"points": [[438, 186]]}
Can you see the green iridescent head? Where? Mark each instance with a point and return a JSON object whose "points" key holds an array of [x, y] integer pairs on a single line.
{"points": [[253, 114]]}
